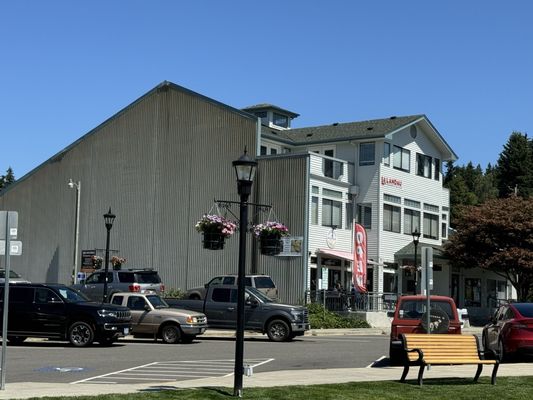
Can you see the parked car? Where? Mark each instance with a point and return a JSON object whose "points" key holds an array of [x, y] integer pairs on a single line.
{"points": [[13, 277], [61, 313], [281, 322], [125, 280], [510, 331], [410, 317], [151, 316], [263, 283]]}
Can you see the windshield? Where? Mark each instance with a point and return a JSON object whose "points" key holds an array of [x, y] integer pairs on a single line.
{"points": [[414, 309], [157, 301], [259, 295], [12, 274], [71, 295]]}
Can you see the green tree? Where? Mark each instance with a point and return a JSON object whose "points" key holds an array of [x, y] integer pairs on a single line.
{"points": [[7, 179], [497, 236], [515, 167]]}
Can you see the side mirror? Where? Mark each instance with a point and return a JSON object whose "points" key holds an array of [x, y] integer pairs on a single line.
{"points": [[390, 314], [252, 302], [206, 285], [147, 308]]}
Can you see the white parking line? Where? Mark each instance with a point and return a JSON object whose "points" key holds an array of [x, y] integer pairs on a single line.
{"points": [[173, 370]]}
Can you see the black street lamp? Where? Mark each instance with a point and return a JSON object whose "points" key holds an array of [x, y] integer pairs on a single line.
{"points": [[245, 170], [416, 239], [109, 217]]}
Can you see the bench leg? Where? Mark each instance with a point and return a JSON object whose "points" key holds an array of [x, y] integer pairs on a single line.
{"points": [[405, 371], [421, 374], [479, 369], [494, 372]]}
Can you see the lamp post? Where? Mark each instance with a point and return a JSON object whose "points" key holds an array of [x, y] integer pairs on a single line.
{"points": [[416, 239], [109, 217], [245, 171], [71, 184]]}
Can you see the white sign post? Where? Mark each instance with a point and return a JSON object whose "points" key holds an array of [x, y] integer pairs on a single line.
{"points": [[8, 231]]}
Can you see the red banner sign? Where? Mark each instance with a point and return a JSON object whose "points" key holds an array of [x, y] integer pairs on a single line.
{"points": [[360, 258]]}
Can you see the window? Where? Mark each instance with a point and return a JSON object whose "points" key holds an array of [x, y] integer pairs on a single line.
{"points": [[333, 169], [411, 221], [263, 151], [349, 215], [263, 116], [391, 218], [444, 230], [117, 299], [386, 154], [332, 193], [314, 210], [431, 207], [281, 120], [423, 165], [273, 151], [331, 213], [437, 169], [431, 226], [392, 199], [364, 215], [472, 292], [402, 159], [136, 303], [412, 203], [366, 153], [221, 295]]}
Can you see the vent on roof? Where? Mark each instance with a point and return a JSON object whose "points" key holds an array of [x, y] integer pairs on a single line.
{"points": [[309, 135], [393, 117], [335, 124], [369, 128]]}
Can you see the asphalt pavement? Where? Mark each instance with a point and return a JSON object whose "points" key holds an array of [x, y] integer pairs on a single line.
{"points": [[25, 390]]}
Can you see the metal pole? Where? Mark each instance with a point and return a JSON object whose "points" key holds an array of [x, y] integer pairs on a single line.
{"points": [[416, 269], [6, 305], [428, 305], [106, 267], [76, 232], [239, 345]]}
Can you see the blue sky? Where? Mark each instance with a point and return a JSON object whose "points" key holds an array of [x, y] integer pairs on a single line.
{"points": [[69, 65]]}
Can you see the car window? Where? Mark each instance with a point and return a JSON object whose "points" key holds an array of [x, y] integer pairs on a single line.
{"points": [[136, 303], [19, 295], [95, 278], [12, 274], [117, 300], [261, 296], [526, 310], [228, 280], [509, 314], [248, 281], [501, 314], [215, 281], [126, 277], [71, 295], [147, 277], [264, 282], [414, 309], [221, 295], [157, 301], [45, 296]]}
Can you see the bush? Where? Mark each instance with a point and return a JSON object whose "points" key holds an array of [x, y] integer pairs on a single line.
{"points": [[174, 293], [320, 318]]}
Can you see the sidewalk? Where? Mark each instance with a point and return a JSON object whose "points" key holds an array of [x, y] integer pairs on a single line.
{"points": [[25, 390]]}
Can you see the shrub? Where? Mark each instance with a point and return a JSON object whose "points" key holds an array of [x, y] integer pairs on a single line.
{"points": [[174, 293], [320, 318]]}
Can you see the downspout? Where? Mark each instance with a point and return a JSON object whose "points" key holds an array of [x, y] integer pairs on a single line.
{"points": [[254, 257], [305, 258]]}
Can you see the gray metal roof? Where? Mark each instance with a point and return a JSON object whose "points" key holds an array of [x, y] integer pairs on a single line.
{"points": [[347, 131]]}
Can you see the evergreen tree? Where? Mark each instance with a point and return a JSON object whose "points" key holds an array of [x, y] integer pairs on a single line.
{"points": [[515, 167], [7, 179]]}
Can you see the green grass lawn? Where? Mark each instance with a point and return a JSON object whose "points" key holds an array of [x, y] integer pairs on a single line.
{"points": [[515, 388]]}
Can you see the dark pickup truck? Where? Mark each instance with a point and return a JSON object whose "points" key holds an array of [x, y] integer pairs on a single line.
{"points": [[281, 322]]}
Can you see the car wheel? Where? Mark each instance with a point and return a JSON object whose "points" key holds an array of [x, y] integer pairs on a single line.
{"points": [[278, 331], [16, 339], [170, 334], [396, 356], [80, 334]]}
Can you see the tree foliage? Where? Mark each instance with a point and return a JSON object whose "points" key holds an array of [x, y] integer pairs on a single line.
{"points": [[515, 167], [7, 179], [498, 236]]}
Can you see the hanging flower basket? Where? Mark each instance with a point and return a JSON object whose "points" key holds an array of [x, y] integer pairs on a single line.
{"points": [[215, 230], [117, 262], [269, 235]]}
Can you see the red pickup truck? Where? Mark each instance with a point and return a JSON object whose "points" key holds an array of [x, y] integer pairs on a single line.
{"points": [[410, 317]]}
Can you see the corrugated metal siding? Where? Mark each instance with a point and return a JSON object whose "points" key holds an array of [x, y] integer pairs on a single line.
{"points": [[158, 164], [289, 204]]}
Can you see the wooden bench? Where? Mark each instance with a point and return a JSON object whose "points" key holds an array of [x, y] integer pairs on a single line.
{"points": [[443, 349]]}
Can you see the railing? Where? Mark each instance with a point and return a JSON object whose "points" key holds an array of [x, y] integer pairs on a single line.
{"points": [[342, 301]]}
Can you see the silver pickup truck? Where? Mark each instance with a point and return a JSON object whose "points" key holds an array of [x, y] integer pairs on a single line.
{"points": [[151, 316], [281, 322]]}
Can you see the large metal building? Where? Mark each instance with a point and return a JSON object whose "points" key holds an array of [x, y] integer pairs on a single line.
{"points": [[159, 164]]}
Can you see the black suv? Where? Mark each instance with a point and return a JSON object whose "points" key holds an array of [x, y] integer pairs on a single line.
{"points": [[58, 312], [128, 280]]}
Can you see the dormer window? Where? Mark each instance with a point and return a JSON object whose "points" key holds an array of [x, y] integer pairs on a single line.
{"points": [[281, 120]]}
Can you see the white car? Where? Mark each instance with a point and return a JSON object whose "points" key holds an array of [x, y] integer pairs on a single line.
{"points": [[13, 277]]}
